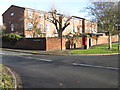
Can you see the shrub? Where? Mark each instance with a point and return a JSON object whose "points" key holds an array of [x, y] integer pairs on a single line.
{"points": [[12, 37]]}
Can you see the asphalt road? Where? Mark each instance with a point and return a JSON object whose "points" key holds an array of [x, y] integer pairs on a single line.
{"points": [[47, 71]]}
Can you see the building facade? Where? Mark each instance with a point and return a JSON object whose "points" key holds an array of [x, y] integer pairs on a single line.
{"points": [[30, 23]]}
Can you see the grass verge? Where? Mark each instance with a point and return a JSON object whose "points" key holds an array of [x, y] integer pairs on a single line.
{"points": [[102, 49], [6, 79]]}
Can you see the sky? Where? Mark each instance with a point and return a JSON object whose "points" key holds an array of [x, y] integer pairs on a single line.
{"points": [[68, 7]]}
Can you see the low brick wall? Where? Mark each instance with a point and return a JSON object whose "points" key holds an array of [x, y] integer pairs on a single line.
{"points": [[73, 42], [103, 40], [28, 43], [54, 43]]}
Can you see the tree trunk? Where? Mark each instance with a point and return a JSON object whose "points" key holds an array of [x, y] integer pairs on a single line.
{"points": [[33, 34], [59, 33], [119, 43], [110, 41]]}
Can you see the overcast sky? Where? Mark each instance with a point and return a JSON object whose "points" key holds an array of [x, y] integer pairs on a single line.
{"points": [[69, 7]]}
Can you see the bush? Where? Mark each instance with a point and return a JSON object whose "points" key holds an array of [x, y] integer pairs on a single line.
{"points": [[12, 37]]}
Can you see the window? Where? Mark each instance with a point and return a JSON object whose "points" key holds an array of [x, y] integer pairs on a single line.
{"points": [[56, 35], [75, 29], [86, 30], [41, 27], [71, 20], [80, 22], [12, 27], [41, 15], [29, 36], [11, 14], [57, 17], [29, 26], [71, 29], [49, 16], [86, 22], [80, 29], [29, 14], [65, 19], [49, 35], [47, 27], [94, 30]]}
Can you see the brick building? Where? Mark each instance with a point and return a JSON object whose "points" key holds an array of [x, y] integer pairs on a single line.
{"points": [[21, 20]]}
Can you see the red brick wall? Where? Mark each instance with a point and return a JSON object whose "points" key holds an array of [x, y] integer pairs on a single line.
{"points": [[54, 43], [73, 42], [103, 40], [28, 43], [115, 38]]}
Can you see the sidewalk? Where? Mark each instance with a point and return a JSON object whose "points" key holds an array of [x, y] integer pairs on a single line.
{"points": [[58, 52], [40, 52]]}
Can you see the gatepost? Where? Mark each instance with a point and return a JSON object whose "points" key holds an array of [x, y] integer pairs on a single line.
{"points": [[85, 42]]}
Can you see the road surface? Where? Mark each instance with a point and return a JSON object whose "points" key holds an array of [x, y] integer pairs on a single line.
{"points": [[47, 71]]}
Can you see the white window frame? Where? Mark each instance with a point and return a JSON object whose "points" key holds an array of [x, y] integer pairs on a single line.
{"points": [[80, 22], [65, 19], [12, 14], [29, 14], [29, 36], [12, 27], [47, 27], [29, 26], [41, 27], [41, 15], [80, 29], [86, 30], [49, 35], [71, 29], [71, 20], [93, 30], [75, 29]]}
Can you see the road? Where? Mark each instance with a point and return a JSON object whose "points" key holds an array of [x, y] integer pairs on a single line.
{"points": [[47, 71]]}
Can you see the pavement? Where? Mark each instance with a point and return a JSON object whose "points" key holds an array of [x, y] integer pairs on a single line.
{"points": [[57, 52], [40, 52]]}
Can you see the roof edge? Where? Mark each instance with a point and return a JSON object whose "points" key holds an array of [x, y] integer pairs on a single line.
{"points": [[12, 6]]}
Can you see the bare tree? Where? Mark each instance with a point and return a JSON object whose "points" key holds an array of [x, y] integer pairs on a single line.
{"points": [[57, 20], [107, 15], [34, 23]]}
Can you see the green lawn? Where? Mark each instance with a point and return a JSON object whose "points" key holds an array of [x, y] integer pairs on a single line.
{"points": [[102, 49]]}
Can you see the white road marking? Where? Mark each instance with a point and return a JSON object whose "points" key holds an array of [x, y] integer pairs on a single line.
{"points": [[2, 53], [87, 65], [46, 60]]}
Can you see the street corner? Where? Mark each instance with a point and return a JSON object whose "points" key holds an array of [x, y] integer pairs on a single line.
{"points": [[17, 82]]}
